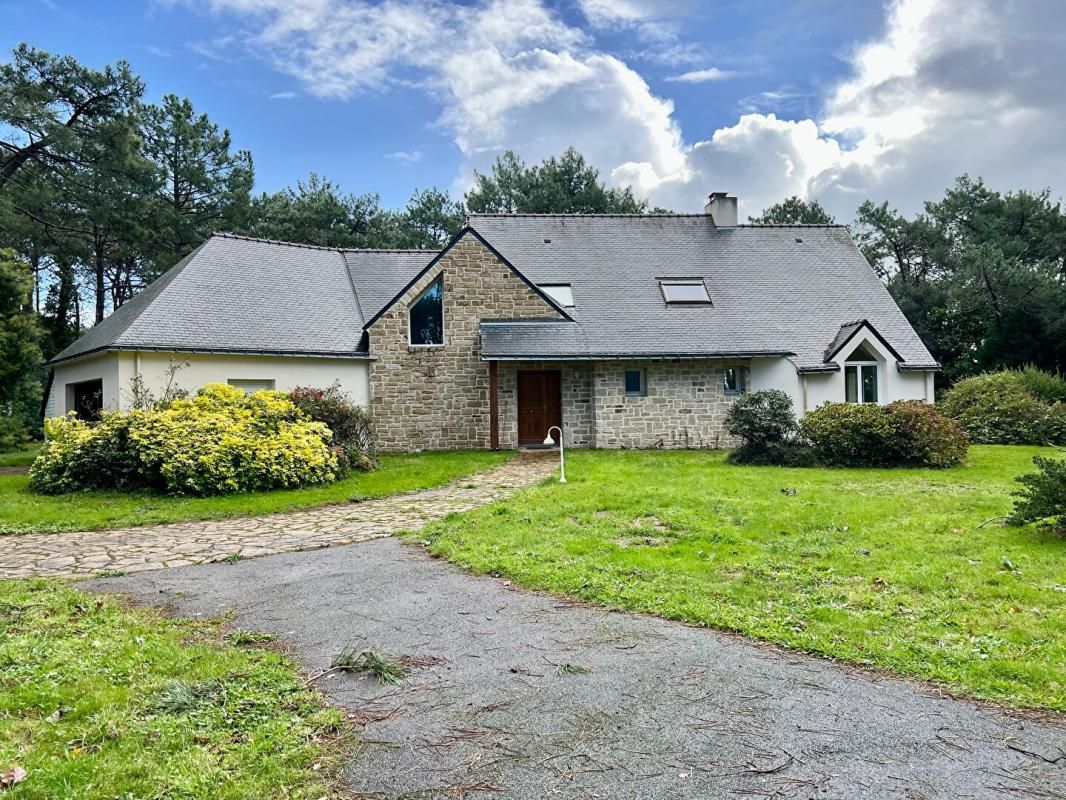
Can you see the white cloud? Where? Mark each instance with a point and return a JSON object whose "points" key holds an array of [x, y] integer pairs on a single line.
{"points": [[406, 156], [283, 96], [951, 86], [703, 76]]}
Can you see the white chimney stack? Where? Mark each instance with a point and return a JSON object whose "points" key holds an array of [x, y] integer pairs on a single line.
{"points": [[722, 209]]}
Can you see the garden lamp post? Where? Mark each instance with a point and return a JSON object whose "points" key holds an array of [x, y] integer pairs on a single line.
{"points": [[548, 440]]}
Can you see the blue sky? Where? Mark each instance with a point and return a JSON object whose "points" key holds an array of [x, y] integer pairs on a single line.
{"points": [[825, 98]]}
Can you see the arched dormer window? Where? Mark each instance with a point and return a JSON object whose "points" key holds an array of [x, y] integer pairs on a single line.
{"points": [[862, 376], [426, 317]]}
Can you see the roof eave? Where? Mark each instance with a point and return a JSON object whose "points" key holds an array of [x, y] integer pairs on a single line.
{"points": [[719, 356], [118, 348]]}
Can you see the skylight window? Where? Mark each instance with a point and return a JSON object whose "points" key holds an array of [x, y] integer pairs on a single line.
{"points": [[684, 291], [559, 292]]}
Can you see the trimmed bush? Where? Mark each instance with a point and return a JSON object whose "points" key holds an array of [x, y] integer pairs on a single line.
{"points": [[1047, 386], [1043, 494], [923, 436], [353, 432], [766, 423], [1004, 408], [220, 441], [904, 433]]}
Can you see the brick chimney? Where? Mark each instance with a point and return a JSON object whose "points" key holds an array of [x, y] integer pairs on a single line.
{"points": [[722, 209]]}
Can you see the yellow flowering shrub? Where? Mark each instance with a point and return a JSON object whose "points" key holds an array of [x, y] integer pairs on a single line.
{"points": [[222, 440]]}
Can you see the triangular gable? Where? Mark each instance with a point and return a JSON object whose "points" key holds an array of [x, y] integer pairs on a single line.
{"points": [[849, 331], [455, 240]]}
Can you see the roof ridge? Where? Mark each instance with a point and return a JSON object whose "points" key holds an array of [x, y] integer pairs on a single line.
{"points": [[792, 225], [583, 216], [243, 238], [411, 250]]}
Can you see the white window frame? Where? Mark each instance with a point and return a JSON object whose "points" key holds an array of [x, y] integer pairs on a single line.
{"points": [[664, 282], [443, 327], [859, 393], [740, 381], [236, 383], [643, 392]]}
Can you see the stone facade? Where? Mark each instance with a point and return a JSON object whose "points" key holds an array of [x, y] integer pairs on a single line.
{"points": [[684, 407], [438, 397], [578, 405]]}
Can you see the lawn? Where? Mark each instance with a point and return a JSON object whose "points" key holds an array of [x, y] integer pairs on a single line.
{"points": [[100, 702], [22, 511], [19, 458], [885, 568]]}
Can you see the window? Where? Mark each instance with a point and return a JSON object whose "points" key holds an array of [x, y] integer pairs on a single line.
{"points": [[250, 385], [732, 380], [680, 290], [635, 384], [561, 293], [860, 376], [427, 315], [86, 399]]}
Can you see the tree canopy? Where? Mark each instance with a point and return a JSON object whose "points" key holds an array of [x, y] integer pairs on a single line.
{"points": [[792, 211]]}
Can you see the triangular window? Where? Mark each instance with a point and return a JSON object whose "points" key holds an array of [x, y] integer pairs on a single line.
{"points": [[862, 353], [427, 315]]}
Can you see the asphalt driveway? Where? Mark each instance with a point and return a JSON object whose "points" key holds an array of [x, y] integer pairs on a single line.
{"points": [[520, 695]]}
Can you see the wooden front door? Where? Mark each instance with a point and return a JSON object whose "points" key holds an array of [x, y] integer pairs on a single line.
{"points": [[540, 405]]}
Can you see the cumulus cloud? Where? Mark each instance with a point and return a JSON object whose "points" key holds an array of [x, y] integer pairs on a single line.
{"points": [[949, 87]]}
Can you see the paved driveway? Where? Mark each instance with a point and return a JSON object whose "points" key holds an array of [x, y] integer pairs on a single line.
{"points": [[522, 695]]}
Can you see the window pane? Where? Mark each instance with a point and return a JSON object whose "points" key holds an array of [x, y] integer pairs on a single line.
{"points": [[691, 292], [250, 385], [732, 382], [427, 315], [561, 293], [851, 384], [634, 381], [869, 384]]}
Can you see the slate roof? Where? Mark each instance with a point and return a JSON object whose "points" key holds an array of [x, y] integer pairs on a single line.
{"points": [[773, 289], [238, 295]]}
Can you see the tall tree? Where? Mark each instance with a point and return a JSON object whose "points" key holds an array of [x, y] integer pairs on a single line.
{"points": [[203, 184], [794, 210], [979, 274], [49, 106], [20, 355], [430, 219], [563, 185]]}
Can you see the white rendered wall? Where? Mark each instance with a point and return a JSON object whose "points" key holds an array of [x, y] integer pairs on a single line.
{"points": [[287, 372]]}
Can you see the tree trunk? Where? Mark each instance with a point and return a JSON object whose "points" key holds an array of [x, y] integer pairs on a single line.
{"points": [[98, 252]]}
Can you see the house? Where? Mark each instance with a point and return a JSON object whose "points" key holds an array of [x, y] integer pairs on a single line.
{"points": [[625, 330]]}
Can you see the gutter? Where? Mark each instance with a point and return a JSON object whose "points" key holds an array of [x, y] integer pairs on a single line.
{"points": [[202, 351], [720, 356]]}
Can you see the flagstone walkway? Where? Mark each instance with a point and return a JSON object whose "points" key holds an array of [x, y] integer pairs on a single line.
{"points": [[176, 545]]}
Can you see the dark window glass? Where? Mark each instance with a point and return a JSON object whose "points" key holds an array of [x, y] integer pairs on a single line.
{"points": [[732, 380], [635, 381], [869, 383], [88, 400], [851, 384], [427, 315]]}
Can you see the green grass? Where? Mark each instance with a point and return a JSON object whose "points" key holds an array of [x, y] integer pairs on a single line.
{"points": [[885, 568], [22, 511], [19, 458], [100, 702]]}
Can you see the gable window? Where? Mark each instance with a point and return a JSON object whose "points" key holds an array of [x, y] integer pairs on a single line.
{"points": [[861, 376], [732, 380], [426, 317], [249, 385], [681, 291], [636, 385]]}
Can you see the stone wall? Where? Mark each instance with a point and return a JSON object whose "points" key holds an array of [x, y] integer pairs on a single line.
{"points": [[438, 397], [685, 405], [576, 387]]}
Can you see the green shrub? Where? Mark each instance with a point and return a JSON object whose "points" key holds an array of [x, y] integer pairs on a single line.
{"points": [[925, 437], [13, 432], [850, 434], [353, 433], [1043, 494], [222, 440], [903, 433], [1047, 386], [1001, 408], [763, 418], [782, 454]]}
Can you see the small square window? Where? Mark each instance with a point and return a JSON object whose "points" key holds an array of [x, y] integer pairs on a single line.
{"points": [[635, 383], [732, 380], [684, 291]]}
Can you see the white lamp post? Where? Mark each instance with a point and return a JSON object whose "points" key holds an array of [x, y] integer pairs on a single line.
{"points": [[548, 440]]}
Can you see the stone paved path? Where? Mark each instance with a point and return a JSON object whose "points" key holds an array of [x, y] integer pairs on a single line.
{"points": [[180, 544]]}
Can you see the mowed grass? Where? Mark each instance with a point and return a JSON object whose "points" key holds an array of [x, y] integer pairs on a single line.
{"points": [[22, 457], [885, 568], [100, 702], [22, 511]]}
